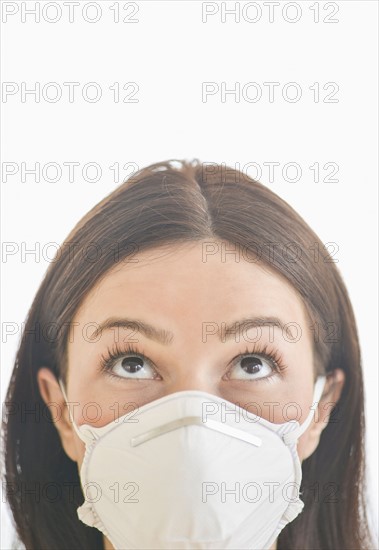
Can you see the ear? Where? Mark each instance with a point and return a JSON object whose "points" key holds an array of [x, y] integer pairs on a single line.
{"points": [[308, 443], [52, 395]]}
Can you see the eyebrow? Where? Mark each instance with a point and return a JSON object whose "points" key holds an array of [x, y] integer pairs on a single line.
{"points": [[165, 337]]}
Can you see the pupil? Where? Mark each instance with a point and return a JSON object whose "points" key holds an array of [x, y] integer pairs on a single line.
{"points": [[133, 364], [251, 365]]}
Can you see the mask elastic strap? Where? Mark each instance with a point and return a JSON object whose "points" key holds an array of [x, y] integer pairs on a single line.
{"points": [[292, 437], [69, 411]]}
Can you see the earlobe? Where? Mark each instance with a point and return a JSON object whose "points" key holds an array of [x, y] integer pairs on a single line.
{"points": [[331, 394], [52, 395]]}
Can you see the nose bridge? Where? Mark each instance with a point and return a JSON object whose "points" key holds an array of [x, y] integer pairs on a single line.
{"points": [[195, 371], [196, 363], [197, 378]]}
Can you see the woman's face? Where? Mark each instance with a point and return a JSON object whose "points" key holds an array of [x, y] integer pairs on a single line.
{"points": [[191, 305]]}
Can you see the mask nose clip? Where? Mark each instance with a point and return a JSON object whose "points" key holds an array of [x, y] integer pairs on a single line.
{"points": [[198, 421]]}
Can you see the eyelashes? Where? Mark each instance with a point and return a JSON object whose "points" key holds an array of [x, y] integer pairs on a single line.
{"points": [[265, 352], [115, 353], [270, 354]]}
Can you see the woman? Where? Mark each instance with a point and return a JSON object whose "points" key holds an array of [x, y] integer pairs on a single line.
{"points": [[219, 280]]}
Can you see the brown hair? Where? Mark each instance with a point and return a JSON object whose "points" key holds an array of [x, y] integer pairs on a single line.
{"points": [[168, 203]]}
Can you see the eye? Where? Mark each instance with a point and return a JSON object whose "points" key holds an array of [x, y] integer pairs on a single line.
{"points": [[129, 364], [257, 365]]}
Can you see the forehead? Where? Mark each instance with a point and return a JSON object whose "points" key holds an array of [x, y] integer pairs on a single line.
{"points": [[197, 280]]}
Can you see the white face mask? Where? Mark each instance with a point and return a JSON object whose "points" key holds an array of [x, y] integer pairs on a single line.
{"points": [[191, 470]]}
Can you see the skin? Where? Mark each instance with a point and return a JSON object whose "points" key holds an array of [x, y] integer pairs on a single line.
{"points": [[178, 289]]}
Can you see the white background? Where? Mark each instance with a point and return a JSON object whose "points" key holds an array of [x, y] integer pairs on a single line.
{"points": [[169, 53]]}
